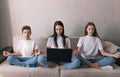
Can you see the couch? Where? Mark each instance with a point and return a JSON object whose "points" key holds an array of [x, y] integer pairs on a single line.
{"points": [[7, 70]]}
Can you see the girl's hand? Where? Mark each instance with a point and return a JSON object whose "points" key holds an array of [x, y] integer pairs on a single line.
{"points": [[5, 53], [75, 53], [116, 55], [37, 52]]}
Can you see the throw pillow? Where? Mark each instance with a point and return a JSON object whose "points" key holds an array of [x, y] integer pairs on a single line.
{"points": [[3, 58]]}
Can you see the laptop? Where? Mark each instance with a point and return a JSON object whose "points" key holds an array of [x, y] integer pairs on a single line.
{"points": [[59, 55]]}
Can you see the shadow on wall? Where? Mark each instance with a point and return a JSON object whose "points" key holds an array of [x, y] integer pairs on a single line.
{"points": [[112, 34], [78, 31], [5, 25]]}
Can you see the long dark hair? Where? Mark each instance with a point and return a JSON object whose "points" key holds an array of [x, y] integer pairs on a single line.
{"points": [[55, 34], [95, 34]]}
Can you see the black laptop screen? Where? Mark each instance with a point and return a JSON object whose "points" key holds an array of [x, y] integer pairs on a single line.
{"points": [[59, 55]]}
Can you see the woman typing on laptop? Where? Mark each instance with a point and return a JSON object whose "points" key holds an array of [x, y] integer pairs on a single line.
{"points": [[59, 40]]}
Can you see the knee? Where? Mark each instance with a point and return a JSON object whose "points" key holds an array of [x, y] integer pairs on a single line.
{"points": [[111, 60], [41, 58], [10, 58], [77, 63]]}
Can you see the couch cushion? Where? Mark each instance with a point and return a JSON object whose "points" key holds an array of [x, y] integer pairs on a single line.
{"points": [[7, 70], [109, 46], [74, 42], [91, 72], [44, 72]]}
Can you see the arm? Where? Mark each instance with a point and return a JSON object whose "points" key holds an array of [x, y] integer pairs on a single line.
{"points": [[6, 53], [48, 46], [37, 52], [77, 51], [16, 53], [116, 55], [79, 48]]}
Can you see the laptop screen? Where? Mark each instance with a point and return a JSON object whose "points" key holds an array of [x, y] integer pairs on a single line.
{"points": [[59, 55]]}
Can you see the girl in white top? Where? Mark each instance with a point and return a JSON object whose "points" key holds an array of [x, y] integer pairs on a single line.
{"points": [[89, 48], [58, 40]]}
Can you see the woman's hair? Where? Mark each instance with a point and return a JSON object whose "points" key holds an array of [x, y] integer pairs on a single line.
{"points": [[95, 34], [26, 27], [62, 34]]}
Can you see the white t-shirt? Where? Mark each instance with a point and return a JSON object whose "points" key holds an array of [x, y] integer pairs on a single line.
{"points": [[51, 43], [90, 46], [26, 47]]}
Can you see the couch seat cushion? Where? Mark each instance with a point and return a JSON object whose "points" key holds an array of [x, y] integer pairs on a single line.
{"points": [[7, 70], [91, 72]]}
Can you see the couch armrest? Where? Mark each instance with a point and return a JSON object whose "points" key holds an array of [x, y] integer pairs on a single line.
{"points": [[9, 49], [109, 47]]}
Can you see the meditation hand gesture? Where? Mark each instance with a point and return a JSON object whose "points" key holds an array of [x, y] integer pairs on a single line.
{"points": [[5, 53], [75, 53], [37, 52], [117, 55]]}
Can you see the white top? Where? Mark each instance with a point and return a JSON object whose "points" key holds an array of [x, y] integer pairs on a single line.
{"points": [[51, 43], [26, 47], [90, 46]]}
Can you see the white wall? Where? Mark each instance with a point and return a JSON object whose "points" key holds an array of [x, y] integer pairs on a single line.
{"points": [[41, 15]]}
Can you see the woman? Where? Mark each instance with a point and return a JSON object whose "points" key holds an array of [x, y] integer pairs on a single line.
{"points": [[58, 40]]}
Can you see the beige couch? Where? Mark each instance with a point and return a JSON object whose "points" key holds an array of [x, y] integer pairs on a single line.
{"points": [[7, 70]]}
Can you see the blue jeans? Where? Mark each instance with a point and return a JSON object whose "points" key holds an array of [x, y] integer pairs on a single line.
{"points": [[42, 60], [102, 61], [21, 61]]}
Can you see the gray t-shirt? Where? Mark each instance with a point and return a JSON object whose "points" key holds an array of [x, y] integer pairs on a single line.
{"points": [[51, 43], [90, 46]]}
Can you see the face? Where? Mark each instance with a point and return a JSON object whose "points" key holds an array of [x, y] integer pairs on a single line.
{"points": [[26, 33], [59, 30], [90, 30]]}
